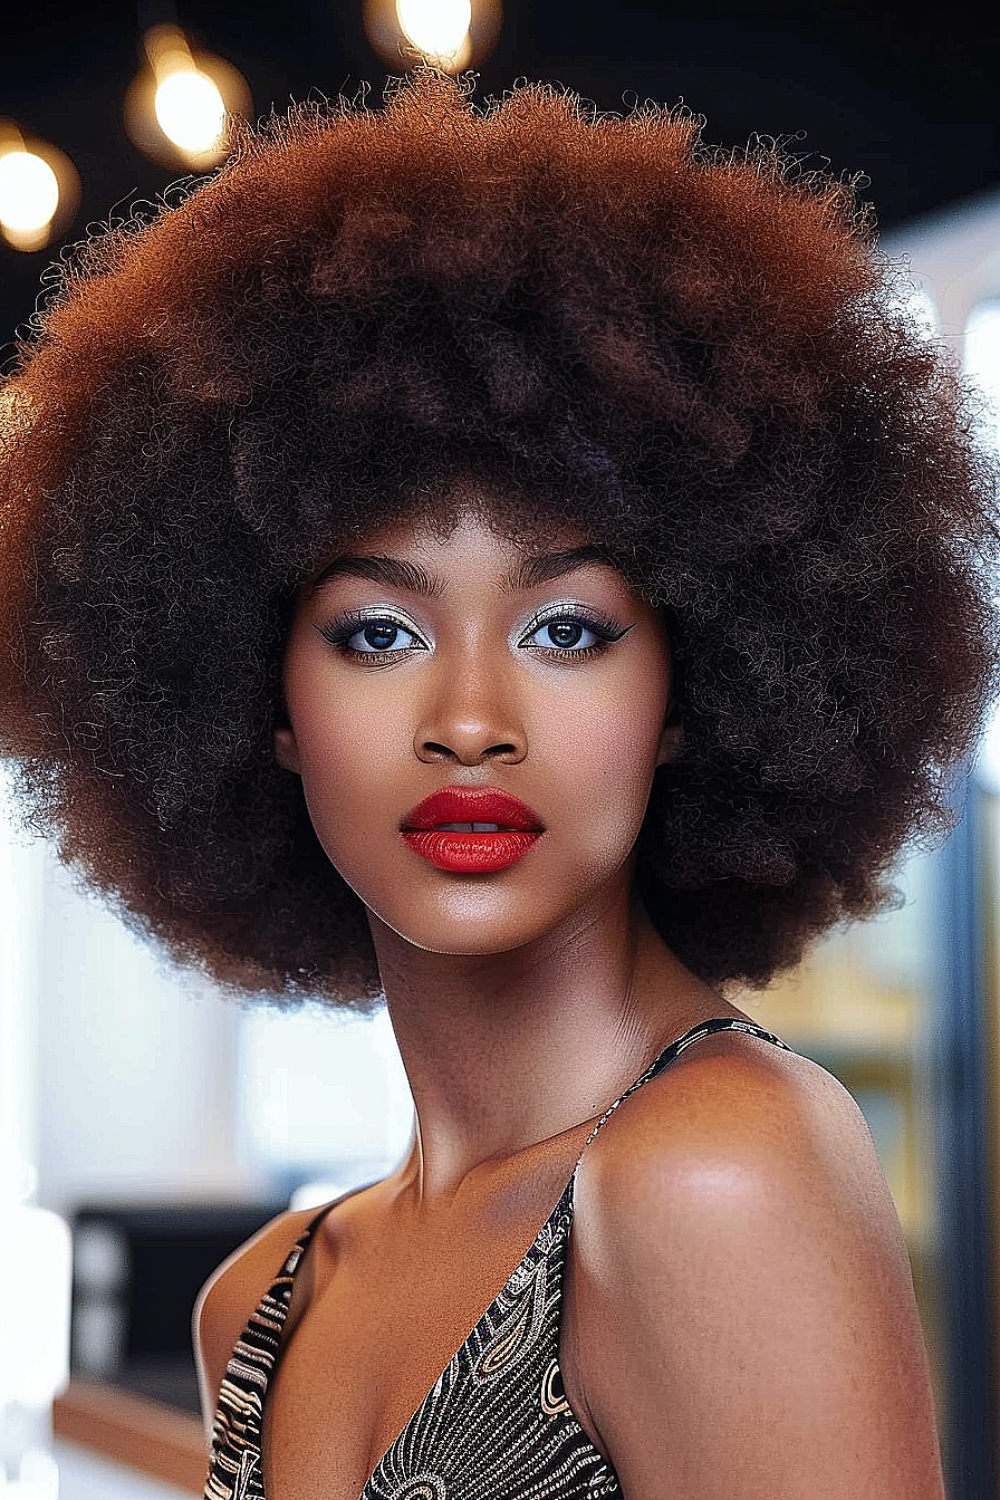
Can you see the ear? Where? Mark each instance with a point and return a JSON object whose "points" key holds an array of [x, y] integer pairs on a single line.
{"points": [[286, 750], [671, 739]]}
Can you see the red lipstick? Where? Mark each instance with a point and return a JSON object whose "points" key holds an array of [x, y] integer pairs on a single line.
{"points": [[472, 849]]}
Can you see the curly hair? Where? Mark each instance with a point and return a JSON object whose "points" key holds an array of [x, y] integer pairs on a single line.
{"points": [[698, 357]]}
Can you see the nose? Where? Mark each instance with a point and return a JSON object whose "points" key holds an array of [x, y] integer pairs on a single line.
{"points": [[471, 715]]}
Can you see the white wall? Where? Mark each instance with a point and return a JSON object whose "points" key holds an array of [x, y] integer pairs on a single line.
{"points": [[135, 1065], [954, 255]]}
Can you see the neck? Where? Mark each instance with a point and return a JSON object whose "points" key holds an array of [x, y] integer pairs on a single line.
{"points": [[505, 1052]]}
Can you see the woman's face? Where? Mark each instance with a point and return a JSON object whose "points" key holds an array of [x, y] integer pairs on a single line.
{"points": [[414, 664]]}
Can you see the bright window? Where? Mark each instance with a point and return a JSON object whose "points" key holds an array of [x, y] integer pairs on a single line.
{"points": [[322, 1096], [982, 362]]}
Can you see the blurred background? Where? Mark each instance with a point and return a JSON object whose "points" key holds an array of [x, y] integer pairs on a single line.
{"points": [[162, 1124]]}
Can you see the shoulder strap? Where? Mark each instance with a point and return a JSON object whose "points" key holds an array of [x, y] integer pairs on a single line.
{"points": [[703, 1029]]}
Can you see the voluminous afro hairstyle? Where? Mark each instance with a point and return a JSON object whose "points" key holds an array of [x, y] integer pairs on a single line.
{"points": [[698, 357]]}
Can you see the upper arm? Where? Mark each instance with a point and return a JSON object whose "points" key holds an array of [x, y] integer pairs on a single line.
{"points": [[747, 1309], [223, 1307]]}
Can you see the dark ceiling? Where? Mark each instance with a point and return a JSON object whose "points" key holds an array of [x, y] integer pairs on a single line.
{"points": [[906, 94]]}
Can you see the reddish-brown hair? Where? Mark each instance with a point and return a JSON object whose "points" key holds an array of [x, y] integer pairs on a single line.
{"points": [[698, 356]]}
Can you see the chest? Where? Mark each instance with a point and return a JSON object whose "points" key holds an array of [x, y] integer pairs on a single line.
{"points": [[369, 1335]]}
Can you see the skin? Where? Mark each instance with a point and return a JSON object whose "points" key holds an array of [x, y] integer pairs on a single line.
{"points": [[523, 1000]]}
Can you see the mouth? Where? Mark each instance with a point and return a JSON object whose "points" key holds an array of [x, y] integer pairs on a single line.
{"points": [[472, 810], [472, 831]]}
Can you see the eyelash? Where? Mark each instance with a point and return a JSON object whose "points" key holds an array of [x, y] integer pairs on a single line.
{"points": [[338, 632]]}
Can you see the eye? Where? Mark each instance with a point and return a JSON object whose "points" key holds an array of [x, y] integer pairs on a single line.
{"points": [[373, 636], [567, 632]]}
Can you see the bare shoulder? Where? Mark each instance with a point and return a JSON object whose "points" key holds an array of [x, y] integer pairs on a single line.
{"points": [[736, 1095], [745, 1302], [227, 1299]]}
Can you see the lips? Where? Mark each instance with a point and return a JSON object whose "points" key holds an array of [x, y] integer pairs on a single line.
{"points": [[473, 805], [471, 849]]}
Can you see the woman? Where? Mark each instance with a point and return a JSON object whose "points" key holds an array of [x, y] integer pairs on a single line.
{"points": [[554, 474]]}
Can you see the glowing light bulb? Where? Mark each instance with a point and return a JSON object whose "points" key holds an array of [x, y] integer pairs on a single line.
{"points": [[451, 35], [190, 110], [29, 193], [181, 103], [437, 28]]}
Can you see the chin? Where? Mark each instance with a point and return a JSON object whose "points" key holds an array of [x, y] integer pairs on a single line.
{"points": [[482, 927]]}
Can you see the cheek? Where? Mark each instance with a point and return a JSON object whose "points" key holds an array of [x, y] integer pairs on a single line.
{"points": [[600, 752], [342, 738], [345, 758]]}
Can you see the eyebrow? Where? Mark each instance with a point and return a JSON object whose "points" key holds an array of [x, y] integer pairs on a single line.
{"points": [[529, 572]]}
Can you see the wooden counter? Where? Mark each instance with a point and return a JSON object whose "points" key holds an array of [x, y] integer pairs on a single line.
{"points": [[157, 1440]]}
